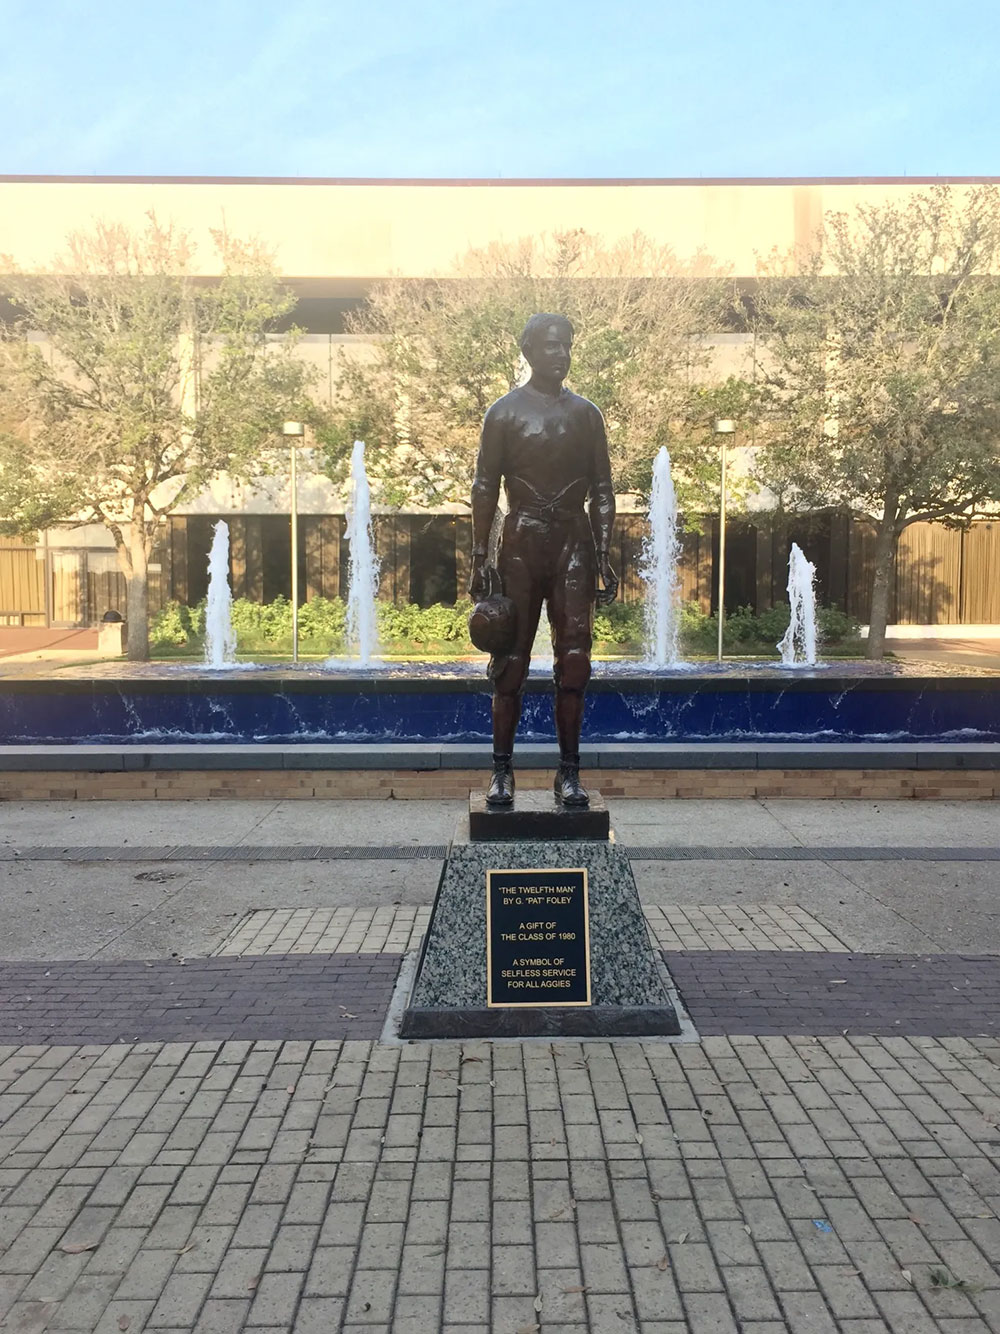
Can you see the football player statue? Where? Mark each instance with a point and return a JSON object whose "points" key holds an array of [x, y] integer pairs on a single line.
{"points": [[548, 447]]}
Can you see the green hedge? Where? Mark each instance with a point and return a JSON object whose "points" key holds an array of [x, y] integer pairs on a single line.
{"points": [[267, 628], [746, 632], [322, 625]]}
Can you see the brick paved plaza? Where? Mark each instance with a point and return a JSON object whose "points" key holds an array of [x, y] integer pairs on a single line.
{"points": [[206, 1124]]}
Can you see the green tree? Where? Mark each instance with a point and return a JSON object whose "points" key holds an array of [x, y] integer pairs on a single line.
{"points": [[443, 349], [126, 384], [879, 370]]}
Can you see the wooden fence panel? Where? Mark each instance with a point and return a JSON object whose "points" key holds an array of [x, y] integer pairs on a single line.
{"points": [[22, 583], [696, 568], [331, 528], [980, 597], [238, 555], [928, 575], [861, 570], [626, 556], [179, 557], [68, 587], [463, 553], [106, 591], [392, 546], [942, 576]]}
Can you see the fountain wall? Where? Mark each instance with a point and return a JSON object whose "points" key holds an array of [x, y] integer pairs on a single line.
{"points": [[306, 708]]}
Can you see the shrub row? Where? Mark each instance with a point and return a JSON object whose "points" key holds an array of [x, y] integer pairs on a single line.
{"points": [[264, 627]]}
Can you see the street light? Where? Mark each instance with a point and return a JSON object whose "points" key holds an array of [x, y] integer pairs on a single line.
{"points": [[293, 433], [723, 428]]}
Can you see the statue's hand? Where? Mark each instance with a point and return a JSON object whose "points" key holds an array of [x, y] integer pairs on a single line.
{"points": [[482, 577], [609, 579]]}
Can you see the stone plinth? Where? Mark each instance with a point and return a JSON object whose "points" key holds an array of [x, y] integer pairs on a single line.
{"points": [[537, 815], [628, 980], [112, 637]]}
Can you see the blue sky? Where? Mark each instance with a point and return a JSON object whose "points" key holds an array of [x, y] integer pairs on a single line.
{"points": [[483, 88]]}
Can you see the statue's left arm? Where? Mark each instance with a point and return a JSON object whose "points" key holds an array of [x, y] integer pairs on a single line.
{"points": [[485, 493], [602, 508]]}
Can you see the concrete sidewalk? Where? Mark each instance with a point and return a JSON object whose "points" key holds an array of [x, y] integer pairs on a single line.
{"points": [[377, 822], [144, 879], [952, 651], [205, 1125]]}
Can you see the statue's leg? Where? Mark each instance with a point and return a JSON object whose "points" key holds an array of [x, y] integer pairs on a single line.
{"points": [[571, 614], [522, 586]]}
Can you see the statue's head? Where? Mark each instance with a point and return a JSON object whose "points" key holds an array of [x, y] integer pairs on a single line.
{"points": [[546, 343]]}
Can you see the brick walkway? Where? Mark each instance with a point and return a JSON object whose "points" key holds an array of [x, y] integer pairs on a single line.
{"points": [[744, 991], [272, 996], [210, 1146], [396, 929], [738, 1186], [312, 996], [761, 926]]}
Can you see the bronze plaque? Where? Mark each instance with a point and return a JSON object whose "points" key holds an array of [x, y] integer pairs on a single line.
{"points": [[537, 938]]}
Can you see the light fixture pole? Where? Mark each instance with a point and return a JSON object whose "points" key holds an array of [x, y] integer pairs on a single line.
{"points": [[293, 433], [724, 427]]}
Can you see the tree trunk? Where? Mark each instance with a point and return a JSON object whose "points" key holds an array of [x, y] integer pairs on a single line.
{"points": [[136, 579], [885, 569]]}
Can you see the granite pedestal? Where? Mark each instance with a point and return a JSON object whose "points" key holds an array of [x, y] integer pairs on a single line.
{"points": [[629, 995]]}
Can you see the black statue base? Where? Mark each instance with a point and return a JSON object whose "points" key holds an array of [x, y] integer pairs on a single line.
{"points": [[629, 994], [537, 815], [596, 1021]]}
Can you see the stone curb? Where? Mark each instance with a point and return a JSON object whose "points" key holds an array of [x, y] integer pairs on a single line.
{"points": [[116, 759]]}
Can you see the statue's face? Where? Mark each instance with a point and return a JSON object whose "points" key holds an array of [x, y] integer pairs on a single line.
{"points": [[549, 352]]}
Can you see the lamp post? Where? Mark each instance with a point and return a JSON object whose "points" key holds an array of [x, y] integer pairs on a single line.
{"points": [[723, 428], [293, 433]]}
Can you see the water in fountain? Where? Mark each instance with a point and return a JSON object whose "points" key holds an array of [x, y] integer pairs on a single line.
{"points": [[362, 629], [661, 551], [798, 643], [220, 637], [542, 656]]}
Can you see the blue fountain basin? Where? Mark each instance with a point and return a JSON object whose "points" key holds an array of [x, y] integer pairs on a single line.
{"points": [[281, 706]]}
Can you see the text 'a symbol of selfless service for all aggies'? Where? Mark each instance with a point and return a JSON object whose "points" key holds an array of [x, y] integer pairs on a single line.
{"points": [[537, 938]]}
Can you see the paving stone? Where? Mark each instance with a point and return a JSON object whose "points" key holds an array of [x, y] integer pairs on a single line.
{"points": [[656, 1295], [82, 1306], [239, 1273], [330, 1271], [146, 1275], [371, 1297], [319, 1315], [275, 1300], [135, 1312], [416, 1315], [603, 1269], [180, 1301], [467, 1296]]}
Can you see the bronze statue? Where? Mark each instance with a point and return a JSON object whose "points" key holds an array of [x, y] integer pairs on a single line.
{"points": [[549, 447]]}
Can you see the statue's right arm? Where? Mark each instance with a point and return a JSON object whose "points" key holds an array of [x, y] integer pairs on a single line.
{"points": [[486, 486]]}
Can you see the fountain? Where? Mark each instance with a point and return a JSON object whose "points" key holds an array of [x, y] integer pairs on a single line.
{"points": [[220, 638], [661, 551], [362, 629], [798, 644], [365, 701]]}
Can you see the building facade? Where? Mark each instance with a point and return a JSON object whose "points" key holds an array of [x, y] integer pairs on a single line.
{"points": [[332, 240]]}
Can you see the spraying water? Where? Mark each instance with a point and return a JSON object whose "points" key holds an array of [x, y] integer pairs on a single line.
{"points": [[542, 656], [220, 637], [798, 643], [362, 631], [661, 552]]}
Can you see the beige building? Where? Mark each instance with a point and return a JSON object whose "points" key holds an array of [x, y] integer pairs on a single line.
{"points": [[332, 239]]}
